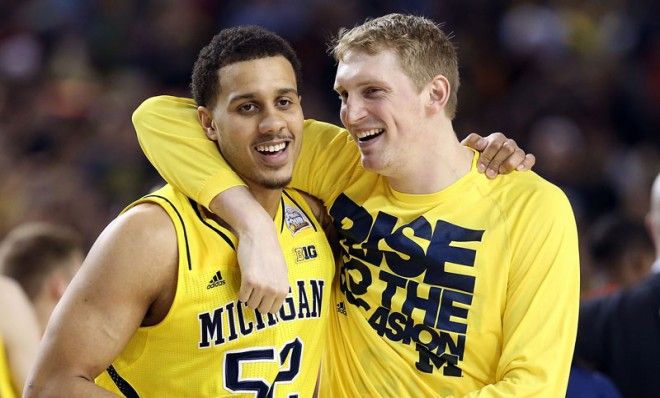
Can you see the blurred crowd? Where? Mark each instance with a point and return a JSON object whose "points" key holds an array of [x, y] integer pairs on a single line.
{"points": [[577, 83]]}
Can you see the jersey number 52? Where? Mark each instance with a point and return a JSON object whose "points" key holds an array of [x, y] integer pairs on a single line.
{"points": [[235, 360]]}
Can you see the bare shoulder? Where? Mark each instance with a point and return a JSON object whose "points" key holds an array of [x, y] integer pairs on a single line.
{"points": [[9, 290], [13, 304], [149, 223], [136, 252], [18, 325], [144, 232]]}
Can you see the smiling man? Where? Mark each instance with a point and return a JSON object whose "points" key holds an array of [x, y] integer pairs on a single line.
{"points": [[452, 284], [154, 310]]}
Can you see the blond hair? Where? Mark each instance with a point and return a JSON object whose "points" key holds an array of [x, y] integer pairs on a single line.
{"points": [[423, 49]]}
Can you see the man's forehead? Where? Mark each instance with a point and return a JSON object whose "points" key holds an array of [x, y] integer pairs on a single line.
{"points": [[270, 75], [277, 65], [359, 66]]}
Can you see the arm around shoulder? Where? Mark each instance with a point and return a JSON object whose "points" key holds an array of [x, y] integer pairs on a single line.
{"points": [[131, 265], [173, 140], [328, 160]]}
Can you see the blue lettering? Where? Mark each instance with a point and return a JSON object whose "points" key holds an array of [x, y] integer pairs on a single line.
{"points": [[211, 327]]}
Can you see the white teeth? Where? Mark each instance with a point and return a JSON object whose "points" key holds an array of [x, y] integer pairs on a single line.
{"points": [[368, 133], [271, 148]]}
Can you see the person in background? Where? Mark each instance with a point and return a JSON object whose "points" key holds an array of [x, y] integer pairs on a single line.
{"points": [[622, 250], [619, 334], [42, 258], [19, 338], [653, 222]]}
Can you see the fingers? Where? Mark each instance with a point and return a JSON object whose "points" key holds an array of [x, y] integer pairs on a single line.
{"points": [[528, 163], [495, 142], [276, 304], [264, 277], [474, 141], [508, 158], [499, 160], [502, 155], [244, 292], [265, 299]]}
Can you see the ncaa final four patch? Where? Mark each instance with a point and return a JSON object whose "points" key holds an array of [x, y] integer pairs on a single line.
{"points": [[295, 219]]}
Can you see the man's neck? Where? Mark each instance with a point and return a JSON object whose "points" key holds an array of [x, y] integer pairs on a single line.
{"points": [[269, 199], [440, 161]]}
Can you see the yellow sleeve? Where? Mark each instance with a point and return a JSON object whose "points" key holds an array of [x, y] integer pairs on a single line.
{"points": [[540, 319], [328, 161], [174, 142]]}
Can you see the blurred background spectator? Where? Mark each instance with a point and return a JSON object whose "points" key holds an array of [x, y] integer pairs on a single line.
{"points": [[622, 251], [43, 259], [575, 82]]}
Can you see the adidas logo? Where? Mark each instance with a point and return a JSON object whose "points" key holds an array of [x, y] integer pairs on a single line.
{"points": [[341, 308], [216, 281]]}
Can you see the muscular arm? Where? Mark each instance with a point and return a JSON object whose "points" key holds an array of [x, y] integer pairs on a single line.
{"points": [[129, 269], [19, 330]]}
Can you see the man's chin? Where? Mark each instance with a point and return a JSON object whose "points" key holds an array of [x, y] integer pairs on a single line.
{"points": [[273, 183]]}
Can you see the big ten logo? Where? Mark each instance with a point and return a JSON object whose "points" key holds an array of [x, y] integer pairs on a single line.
{"points": [[305, 253]]}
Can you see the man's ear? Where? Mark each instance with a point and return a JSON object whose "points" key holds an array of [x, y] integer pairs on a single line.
{"points": [[439, 91], [206, 120]]}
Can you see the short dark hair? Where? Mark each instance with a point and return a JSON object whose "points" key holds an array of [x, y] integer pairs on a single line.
{"points": [[231, 45], [30, 252]]}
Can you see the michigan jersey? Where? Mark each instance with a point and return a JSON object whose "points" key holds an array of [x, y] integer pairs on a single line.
{"points": [[210, 344], [470, 291], [6, 386]]}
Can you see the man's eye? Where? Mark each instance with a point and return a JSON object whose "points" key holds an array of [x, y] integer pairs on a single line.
{"points": [[247, 108], [372, 91], [284, 102]]}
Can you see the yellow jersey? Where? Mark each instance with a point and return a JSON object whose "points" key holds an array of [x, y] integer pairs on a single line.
{"points": [[6, 385], [211, 345], [470, 291]]}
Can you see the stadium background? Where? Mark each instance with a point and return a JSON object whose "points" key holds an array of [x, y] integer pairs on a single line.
{"points": [[575, 82]]}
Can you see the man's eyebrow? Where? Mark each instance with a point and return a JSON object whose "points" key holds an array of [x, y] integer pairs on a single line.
{"points": [[242, 97], [289, 90], [250, 96]]}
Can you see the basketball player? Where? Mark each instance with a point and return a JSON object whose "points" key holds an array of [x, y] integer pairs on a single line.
{"points": [[452, 284], [154, 310]]}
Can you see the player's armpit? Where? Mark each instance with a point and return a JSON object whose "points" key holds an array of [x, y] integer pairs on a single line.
{"points": [[131, 265]]}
